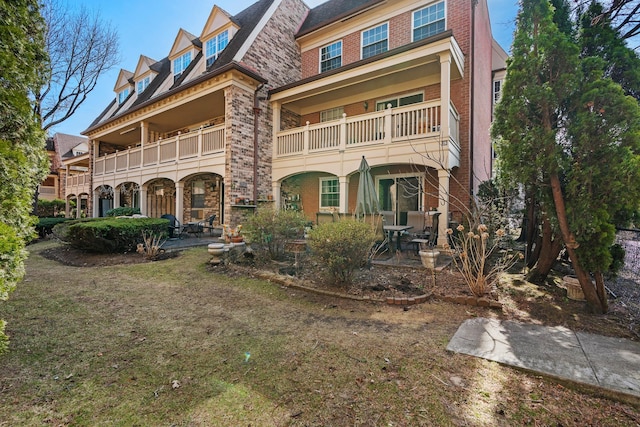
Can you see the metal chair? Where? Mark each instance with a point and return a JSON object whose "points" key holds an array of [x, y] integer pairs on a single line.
{"points": [[175, 228], [208, 224]]}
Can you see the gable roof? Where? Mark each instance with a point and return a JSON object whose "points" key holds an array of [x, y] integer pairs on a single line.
{"points": [[217, 18], [246, 20], [183, 39], [64, 144], [333, 11], [144, 64], [124, 78]]}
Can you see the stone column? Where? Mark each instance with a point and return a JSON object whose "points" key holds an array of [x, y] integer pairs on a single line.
{"points": [[445, 99], [143, 200]]}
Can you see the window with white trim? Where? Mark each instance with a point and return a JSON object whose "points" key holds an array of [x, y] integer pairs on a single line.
{"points": [[400, 101], [329, 193], [180, 64], [331, 114], [215, 46], [497, 91], [331, 56], [142, 84], [375, 40], [122, 95], [428, 21]]}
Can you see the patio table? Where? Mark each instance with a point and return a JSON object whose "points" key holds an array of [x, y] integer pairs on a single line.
{"points": [[398, 230]]}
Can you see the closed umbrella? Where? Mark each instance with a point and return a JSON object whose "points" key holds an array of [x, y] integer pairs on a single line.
{"points": [[367, 200]]}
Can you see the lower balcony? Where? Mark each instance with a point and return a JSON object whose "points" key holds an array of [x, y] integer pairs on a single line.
{"points": [[187, 150], [394, 133]]}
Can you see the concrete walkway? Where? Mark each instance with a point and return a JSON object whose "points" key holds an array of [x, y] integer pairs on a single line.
{"points": [[609, 363]]}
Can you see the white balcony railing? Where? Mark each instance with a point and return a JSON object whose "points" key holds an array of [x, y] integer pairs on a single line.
{"points": [[389, 126], [185, 146]]}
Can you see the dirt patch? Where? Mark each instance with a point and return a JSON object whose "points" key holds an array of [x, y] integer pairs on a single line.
{"points": [[71, 256]]}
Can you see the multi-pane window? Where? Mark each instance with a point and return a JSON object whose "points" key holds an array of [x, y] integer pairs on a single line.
{"points": [[428, 21], [215, 46], [142, 84], [122, 96], [497, 91], [180, 64], [375, 40], [331, 56], [332, 114], [329, 193]]}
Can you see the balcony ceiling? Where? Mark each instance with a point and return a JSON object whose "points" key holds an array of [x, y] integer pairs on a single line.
{"points": [[163, 119]]}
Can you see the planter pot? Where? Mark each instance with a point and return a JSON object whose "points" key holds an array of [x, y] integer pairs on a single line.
{"points": [[237, 239], [574, 290], [215, 250], [429, 258]]}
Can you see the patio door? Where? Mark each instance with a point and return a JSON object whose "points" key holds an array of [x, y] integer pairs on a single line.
{"points": [[400, 194]]}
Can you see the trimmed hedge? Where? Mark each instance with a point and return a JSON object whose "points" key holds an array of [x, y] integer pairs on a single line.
{"points": [[123, 211], [45, 225], [110, 235]]}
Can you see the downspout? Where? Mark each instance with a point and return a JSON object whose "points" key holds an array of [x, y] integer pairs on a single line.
{"points": [[474, 3], [256, 114]]}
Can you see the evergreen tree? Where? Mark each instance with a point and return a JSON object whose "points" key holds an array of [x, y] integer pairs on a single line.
{"points": [[562, 127], [23, 160]]}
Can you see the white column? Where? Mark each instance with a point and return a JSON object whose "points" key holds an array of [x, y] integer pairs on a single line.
{"points": [[344, 194], [143, 200], [95, 204], [276, 107], [445, 97], [67, 208], [180, 201], [443, 205], [275, 188], [116, 197]]}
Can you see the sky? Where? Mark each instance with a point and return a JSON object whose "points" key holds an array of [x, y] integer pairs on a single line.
{"points": [[149, 27]]}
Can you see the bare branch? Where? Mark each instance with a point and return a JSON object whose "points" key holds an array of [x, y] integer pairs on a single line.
{"points": [[81, 47]]}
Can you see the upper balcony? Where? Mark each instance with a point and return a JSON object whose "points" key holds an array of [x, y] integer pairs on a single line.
{"points": [[397, 132], [185, 150], [79, 183]]}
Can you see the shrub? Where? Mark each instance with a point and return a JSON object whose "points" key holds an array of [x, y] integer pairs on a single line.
{"points": [[109, 235], [51, 208], [61, 231], [45, 225], [123, 211], [344, 246], [617, 259], [269, 230]]}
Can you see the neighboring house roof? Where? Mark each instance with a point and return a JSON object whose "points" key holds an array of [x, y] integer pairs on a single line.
{"points": [[333, 11], [65, 144], [247, 20]]}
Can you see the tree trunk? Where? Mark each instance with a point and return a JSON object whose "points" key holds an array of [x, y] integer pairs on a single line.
{"points": [[601, 291], [549, 250], [593, 299]]}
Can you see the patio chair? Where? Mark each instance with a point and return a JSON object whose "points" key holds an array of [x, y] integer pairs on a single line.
{"points": [[208, 224], [429, 235], [175, 228]]}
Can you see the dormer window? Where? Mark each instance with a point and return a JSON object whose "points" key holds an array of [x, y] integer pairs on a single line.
{"points": [[428, 21], [215, 46], [142, 84], [122, 95], [180, 64]]}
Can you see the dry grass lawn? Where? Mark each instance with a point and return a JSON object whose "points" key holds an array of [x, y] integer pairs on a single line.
{"points": [[170, 343]]}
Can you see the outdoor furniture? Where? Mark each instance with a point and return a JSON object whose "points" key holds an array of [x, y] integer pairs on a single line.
{"points": [[193, 228], [323, 217], [398, 230], [175, 228], [389, 217], [208, 224], [430, 236]]}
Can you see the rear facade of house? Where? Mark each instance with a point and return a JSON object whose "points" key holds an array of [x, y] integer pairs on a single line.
{"points": [[279, 103]]}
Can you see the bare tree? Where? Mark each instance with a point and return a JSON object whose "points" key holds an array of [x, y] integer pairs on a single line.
{"points": [[624, 15], [81, 48]]}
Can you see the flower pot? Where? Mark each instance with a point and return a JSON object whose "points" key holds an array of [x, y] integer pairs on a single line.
{"points": [[237, 239], [574, 290], [429, 258]]}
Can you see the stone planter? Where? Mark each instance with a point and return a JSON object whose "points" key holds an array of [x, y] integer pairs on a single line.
{"points": [[215, 250], [429, 258], [574, 290]]}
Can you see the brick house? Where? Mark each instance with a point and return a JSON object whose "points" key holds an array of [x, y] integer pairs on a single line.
{"points": [[281, 103]]}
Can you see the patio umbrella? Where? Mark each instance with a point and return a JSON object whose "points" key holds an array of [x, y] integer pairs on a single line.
{"points": [[367, 200]]}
